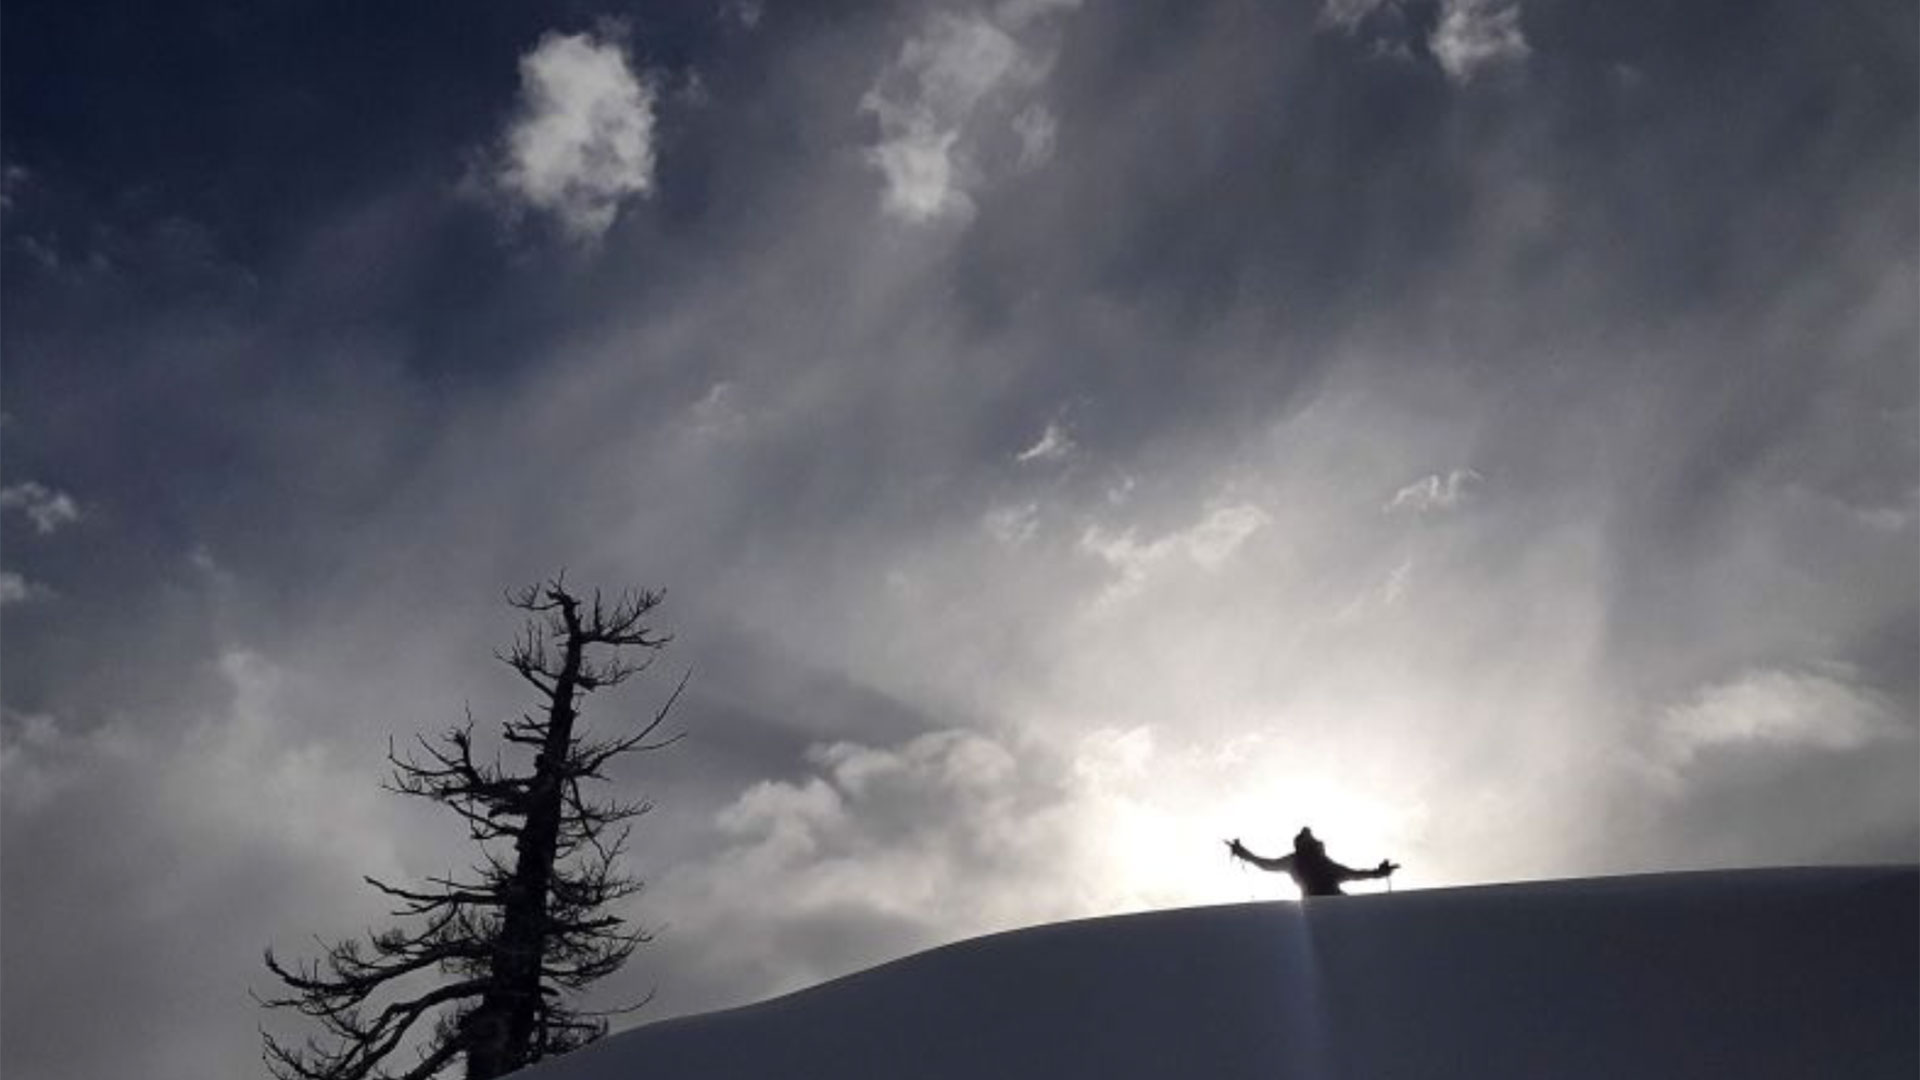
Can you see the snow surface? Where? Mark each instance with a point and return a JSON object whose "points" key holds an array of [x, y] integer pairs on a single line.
{"points": [[1760, 973]]}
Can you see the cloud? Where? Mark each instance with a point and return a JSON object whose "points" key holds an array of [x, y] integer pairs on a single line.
{"points": [[747, 13], [1207, 544], [13, 180], [1473, 36], [921, 184], [1053, 444], [928, 839], [1272, 320], [1783, 763], [960, 77], [15, 589], [1037, 129], [49, 510], [1783, 711], [919, 840], [962, 831], [1017, 14], [941, 76], [583, 144], [1434, 492], [205, 843], [1347, 14], [718, 413], [1468, 37], [1221, 533], [1384, 594], [1012, 525]]}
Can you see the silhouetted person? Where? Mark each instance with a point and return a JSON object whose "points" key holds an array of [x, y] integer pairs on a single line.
{"points": [[1309, 866]]}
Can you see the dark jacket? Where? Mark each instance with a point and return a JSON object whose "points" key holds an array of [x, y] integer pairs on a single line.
{"points": [[1309, 866]]}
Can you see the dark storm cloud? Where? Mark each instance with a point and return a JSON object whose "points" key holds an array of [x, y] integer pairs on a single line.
{"points": [[1064, 432]]}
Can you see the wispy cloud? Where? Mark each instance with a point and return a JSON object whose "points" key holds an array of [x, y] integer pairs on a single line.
{"points": [[14, 179], [1012, 525], [49, 510], [1467, 38], [747, 13], [1346, 14], [15, 589], [1037, 129], [960, 74], [1435, 492], [1053, 444], [1207, 544], [718, 413]]}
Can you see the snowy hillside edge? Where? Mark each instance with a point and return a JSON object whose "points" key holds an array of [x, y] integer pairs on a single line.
{"points": [[1761, 973]]}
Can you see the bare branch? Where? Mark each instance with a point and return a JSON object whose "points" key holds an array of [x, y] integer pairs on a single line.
{"points": [[533, 919]]}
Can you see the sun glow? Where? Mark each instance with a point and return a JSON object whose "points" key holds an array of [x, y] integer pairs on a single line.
{"points": [[1358, 826], [1155, 819]]}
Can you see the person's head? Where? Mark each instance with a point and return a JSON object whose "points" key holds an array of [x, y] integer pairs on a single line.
{"points": [[1305, 841]]}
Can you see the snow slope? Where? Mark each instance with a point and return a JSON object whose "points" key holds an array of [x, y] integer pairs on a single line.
{"points": [[1766, 973]]}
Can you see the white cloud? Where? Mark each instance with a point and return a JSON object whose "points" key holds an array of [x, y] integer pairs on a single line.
{"points": [[784, 821], [1018, 13], [1435, 492], [35, 762], [718, 414], [1037, 130], [1112, 755], [1886, 518], [920, 180], [1208, 544], [1469, 37], [13, 179], [1396, 584], [1012, 525], [1814, 710], [46, 508], [856, 789], [1346, 14], [583, 143], [745, 12], [1474, 35], [955, 759], [248, 771], [960, 73], [922, 839], [945, 71], [15, 589], [1052, 445], [1221, 533], [1380, 595], [1896, 516]]}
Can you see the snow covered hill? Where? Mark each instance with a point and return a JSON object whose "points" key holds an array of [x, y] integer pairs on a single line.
{"points": [[1768, 973]]}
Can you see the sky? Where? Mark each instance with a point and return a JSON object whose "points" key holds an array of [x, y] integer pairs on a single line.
{"points": [[1068, 435]]}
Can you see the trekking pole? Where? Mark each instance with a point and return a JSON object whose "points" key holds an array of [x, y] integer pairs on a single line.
{"points": [[1234, 860]]}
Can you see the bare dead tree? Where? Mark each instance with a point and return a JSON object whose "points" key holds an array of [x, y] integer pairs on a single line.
{"points": [[485, 971]]}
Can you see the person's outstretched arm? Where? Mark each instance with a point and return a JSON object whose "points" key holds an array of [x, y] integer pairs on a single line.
{"points": [[1348, 873], [1281, 865]]}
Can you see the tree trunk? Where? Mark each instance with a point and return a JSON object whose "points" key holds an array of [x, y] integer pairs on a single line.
{"points": [[502, 1027]]}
